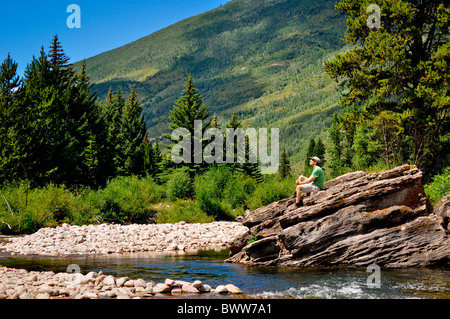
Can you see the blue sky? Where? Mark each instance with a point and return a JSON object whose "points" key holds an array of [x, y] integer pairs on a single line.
{"points": [[25, 26]]}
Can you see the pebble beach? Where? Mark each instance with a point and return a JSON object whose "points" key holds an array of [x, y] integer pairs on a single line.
{"points": [[67, 239], [70, 240]]}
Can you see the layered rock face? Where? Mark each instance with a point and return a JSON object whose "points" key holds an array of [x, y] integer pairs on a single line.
{"points": [[359, 219]]}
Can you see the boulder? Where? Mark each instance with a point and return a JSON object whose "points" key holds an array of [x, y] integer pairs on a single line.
{"points": [[442, 209], [358, 219]]}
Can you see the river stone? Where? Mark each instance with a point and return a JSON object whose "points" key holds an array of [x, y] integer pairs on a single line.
{"points": [[42, 296], [109, 280], [90, 276], [189, 289], [129, 283], [169, 282], [221, 289], [99, 280], [232, 289], [442, 209], [121, 281], [140, 283], [204, 288], [176, 290], [197, 284], [162, 288]]}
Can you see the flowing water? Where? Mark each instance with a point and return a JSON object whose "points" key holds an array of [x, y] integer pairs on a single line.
{"points": [[257, 282]]}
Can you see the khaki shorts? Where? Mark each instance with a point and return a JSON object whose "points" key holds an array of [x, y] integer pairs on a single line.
{"points": [[309, 188]]}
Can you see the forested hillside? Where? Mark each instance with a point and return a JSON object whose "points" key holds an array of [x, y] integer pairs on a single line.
{"points": [[262, 60]]}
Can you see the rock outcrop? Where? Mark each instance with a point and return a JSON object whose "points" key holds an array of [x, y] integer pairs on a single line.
{"points": [[359, 219]]}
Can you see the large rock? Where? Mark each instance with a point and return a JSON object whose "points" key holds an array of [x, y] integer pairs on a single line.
{"points": [[359, 219], [442, 208]]}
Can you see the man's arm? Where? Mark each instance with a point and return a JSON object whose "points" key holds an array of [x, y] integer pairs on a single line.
{"points": [[307, 181]]}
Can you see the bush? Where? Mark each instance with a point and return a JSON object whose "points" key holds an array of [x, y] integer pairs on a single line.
{"points": [[181, 210], [271, 190], [126, 200], [26, 211], [439, 187], [210, 190], [238, 190], [179, 185]]}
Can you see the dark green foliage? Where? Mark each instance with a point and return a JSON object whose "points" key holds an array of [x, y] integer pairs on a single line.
{"points": [[210, 190], [285, 166], [396, 79], [125, 200], [188, 109], [180, 185], [9, 84], [439, 187], [54, 130]]}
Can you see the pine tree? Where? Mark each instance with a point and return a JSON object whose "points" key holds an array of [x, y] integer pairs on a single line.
{"points": [[189, 108], [9, 86], [107, 110], [55, 126], [319, 151], [400, 67], [149, 159], [133, 134], [116, 138], [285, 166], [88, 130], [248, 168], [57, 58], [309, 153], [45, 126]]}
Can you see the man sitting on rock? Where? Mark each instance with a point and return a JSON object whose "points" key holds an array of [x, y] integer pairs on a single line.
{"points": [[312, 184]]}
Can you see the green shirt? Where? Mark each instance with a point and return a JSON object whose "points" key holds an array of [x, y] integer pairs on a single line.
{"points": [[318, 173]]}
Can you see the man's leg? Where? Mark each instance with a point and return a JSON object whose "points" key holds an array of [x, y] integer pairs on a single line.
{"points": [[299, 194]]}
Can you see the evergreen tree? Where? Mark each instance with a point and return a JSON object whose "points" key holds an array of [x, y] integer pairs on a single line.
{"points": [[9, 86], [319, 151], [149, 159], [133, 135], [44, 128], [309, 153], [248, 168], [109, 140], [402, 68], [189, 108], [116, 138], [88, 129], [285, 166]]}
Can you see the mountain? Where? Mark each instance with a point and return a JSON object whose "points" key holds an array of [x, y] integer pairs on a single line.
{"points": [[262, 59]]}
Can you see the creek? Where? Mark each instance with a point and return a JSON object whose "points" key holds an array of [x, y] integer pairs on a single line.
{"points": [[258, 282]]}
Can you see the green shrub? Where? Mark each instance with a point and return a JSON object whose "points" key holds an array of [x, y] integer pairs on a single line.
{"points": [[210, 190], [237, 192], [439, 187], [126, 200], [271, 190], [181, 210], [179, 185], [25, 211]]}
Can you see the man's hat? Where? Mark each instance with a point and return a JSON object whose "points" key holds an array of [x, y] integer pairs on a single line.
{"points": [[315, 159]]}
